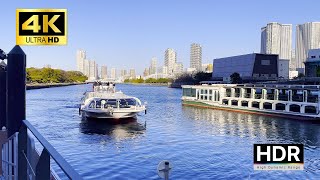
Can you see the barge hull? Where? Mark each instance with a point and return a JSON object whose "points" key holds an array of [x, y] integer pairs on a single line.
{"points": [[249, 111]]}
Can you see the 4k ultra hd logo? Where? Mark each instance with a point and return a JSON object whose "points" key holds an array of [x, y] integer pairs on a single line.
{"points": [[278, 156], [41, 27]]}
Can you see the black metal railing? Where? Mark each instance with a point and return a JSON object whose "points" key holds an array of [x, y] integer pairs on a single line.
{"points": [[42, 170]]}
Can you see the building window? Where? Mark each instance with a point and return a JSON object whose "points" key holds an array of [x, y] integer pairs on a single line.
{"points": [[313, 56], [265, 62]]}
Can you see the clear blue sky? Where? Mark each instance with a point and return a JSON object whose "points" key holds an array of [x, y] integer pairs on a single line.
{"points": [[127, 34]]}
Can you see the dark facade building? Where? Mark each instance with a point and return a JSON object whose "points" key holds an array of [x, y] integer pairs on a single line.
{"points": [[249, 66]]}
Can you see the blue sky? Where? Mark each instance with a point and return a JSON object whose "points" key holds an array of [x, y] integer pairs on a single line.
{"points": [[128, 33]]}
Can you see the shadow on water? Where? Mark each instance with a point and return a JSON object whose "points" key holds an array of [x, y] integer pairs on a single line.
{"points": [[125, 128], [260, 128]]}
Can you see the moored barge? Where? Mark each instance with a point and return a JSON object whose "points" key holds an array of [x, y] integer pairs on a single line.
{"points": [[293, 101]]}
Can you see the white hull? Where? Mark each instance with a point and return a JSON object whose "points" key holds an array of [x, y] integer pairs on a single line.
{"points": [[100, 114]]}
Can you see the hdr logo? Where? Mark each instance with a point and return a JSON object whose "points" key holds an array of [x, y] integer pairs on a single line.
{"points": [[41, 27], [278, 156]]}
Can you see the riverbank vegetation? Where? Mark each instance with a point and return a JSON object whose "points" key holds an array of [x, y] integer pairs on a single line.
{"points": [[48, 75], [195, 78], [149, 80]]}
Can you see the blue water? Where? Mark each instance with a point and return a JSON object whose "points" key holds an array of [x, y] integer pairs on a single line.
{"points": [[199, 143]]}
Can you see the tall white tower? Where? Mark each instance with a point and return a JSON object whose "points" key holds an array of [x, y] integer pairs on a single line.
{"points": [[307, 37], [113, 73], [170, 59], [196, 56], [276, 38], [81, 56], [104, 72], [153, 67]]}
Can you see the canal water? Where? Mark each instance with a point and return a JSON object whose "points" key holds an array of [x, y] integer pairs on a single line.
{"points": [[199, 143]]}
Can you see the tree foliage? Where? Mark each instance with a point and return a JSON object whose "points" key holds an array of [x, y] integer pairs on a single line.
{"points": [[235, 78], [193, 78], [48, 75]]}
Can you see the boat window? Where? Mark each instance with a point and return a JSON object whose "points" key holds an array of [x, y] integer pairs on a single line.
{"points": [[91, 105], [123, 103], [131, 102], [193, 92], [186, 91], [98, 104]]}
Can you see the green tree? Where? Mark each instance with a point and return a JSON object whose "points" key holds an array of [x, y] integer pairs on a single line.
{"points": [[202, 76], [48, 75], [235, 78]]}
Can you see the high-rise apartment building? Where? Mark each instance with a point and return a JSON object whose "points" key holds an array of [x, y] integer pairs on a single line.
{"points": [[113, 74], [307, 37], [292, 65], [104, 72], [276, 38], [178, 68], [146, 72], [81, 56], [153, 66], [86, 71], [92, 70], [196, 56], [170, 60], [123, 73], [132, 73]]}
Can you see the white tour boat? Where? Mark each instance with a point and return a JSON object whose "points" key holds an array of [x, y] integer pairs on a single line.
{"points": [[293, 101], [105, 102]]}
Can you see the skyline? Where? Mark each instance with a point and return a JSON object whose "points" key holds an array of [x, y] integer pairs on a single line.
{"points": [[137, 31]]}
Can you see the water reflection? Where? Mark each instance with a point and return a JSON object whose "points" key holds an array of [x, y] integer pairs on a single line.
{"points": [[118, 129], [260, 128]]}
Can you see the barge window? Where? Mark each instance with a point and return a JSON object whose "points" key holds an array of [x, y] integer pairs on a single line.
{"points": [[186, 92], [255, 104], [244, 103], [294, 108], [280, 106], [225, 101], [234, 103], [193, 92], [310, 110], [267, 105]]}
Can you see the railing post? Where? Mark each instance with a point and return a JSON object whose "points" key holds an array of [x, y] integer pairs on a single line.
{"points": [[3, 96], [43, 166], [22, 151], [16, 89]]}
